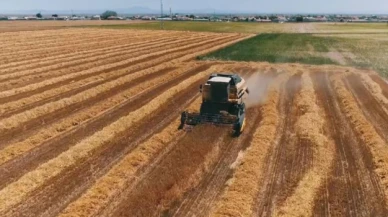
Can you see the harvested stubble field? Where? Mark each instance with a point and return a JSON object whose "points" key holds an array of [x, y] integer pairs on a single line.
{"points": [[89, 118], [30, 25]]}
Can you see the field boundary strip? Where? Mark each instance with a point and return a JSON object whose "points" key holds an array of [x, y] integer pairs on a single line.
{"points": [[15, 192]]}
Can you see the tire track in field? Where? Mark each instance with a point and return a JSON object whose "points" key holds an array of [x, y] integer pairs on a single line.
{"points": [[67, 69], [310, 131], [351, 189], [238, 198], [200, 200], [177, 172], [370, 106], [289, 159]]}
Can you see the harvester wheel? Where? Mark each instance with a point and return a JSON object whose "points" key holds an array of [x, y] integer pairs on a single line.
{"points": [[243, 126], [183, 120], [239, 128]]}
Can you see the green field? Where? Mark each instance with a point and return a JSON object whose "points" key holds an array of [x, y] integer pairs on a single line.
{"points": [[278, 48], [353, 44], [242, 27], [255, 28], [359, 50]]}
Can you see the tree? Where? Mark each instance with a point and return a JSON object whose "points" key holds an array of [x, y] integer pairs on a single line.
{"points": [[107, 14], [192, 16], [55, 15], [299, 19], [39, 15]]}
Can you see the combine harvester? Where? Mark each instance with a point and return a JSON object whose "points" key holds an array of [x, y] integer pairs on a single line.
{"points": [[223, 98]]}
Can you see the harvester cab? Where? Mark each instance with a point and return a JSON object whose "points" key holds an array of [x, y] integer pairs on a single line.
{"points": [[223, 98]]}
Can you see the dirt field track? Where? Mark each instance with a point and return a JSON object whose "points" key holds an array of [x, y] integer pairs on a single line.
{"points": [[89, 118]]}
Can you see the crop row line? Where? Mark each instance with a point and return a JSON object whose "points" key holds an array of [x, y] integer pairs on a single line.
{"points": [[102, 68], [15, 192], [86, 115], [123, 173], [309, 127], [20, 65], [92, 48], [364, 130], [13, 105], [374, 88], [77, 36], [48, 52], [71, 42], [78, 63]]}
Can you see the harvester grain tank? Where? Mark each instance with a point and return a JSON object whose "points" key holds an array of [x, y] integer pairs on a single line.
{"points": [[223, 104]]}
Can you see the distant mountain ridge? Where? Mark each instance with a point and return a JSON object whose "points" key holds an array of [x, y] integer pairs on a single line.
{"points": [[139, 10]]}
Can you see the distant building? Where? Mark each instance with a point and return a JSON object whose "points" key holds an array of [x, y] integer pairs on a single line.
{"points": [[96, 17], [146, 18], [164, 18], [14, 18], [30, 18], [200, 19], [115, 18]]}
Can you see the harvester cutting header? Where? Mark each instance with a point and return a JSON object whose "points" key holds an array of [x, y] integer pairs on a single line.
{"points": [[223, 98]]}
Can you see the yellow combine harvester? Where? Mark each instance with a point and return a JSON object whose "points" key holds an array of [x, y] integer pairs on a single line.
{"points": [[223, 98]]}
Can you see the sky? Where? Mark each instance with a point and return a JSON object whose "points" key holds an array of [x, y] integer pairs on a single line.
{"points": [[259, 6]]}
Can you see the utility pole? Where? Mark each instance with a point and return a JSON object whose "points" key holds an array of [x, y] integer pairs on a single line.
{"points": [[170, 13], [161, 15]]}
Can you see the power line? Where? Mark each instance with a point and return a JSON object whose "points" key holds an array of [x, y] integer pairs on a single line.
{"points": [[161, 15]]}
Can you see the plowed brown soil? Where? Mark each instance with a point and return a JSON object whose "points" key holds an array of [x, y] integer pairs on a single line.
{"points": [[89, 127]]}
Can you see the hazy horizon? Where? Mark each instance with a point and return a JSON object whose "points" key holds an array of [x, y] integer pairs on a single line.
{"points": [[247, 6]]}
